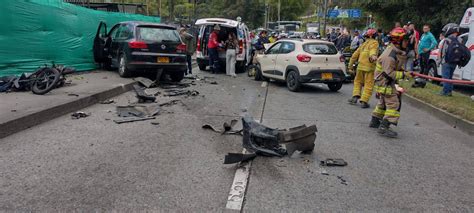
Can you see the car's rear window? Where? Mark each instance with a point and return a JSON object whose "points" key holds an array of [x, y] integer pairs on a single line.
{"points": [[158, 34], [320, 49]]}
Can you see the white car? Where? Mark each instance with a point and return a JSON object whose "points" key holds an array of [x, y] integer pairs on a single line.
{"points": [[298, 61]]}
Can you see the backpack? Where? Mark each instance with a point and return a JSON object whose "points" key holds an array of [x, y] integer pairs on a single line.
{"points": [[457, 53]]}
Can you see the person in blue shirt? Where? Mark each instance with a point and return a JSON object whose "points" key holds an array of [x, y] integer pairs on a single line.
{"points": [[427, 43]]}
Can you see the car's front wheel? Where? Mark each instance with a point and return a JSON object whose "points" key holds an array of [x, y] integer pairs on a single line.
{"points": [[123, 70], [335, 86], [292, 81]]}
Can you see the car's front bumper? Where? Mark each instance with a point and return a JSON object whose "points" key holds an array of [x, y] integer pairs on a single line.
{"points": [[316, 76]]}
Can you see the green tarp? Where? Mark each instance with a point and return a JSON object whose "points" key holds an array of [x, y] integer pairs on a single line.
{"points": [[35, 32]]}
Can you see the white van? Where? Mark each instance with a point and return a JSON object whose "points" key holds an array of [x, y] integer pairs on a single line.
{"points": [[461, 73], [227, 26]]}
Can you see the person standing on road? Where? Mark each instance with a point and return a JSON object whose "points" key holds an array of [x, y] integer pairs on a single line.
{"points": [[451, 32], [190, 49], [366, 55], [260, 45], [356, 41], [427, 43], [387, 73], [212, 46], [412, 51], [232, 46]]}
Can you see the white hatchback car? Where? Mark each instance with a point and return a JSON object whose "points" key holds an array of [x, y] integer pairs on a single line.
{"points": [[302, 61]]}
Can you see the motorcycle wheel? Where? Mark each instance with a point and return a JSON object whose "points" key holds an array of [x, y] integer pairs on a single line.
{"points": [[45, 81]]}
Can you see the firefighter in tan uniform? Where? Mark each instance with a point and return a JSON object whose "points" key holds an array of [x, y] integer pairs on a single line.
{"points": [[366, 56], [388, 71]]}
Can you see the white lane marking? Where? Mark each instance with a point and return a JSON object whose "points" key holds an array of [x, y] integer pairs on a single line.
{"points": [[239, 185]]}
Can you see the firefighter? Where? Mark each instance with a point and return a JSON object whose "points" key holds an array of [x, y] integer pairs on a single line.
{"points": [[365, 55], [388, 71]]}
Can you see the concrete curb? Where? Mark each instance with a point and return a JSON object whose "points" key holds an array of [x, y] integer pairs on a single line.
{"points": [[451, 119], [27, 121]]}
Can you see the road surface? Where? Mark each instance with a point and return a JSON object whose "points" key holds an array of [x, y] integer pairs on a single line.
{"points": [[94, 164]]}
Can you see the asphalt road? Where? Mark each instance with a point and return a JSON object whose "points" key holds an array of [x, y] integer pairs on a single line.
{"points": [[93, 164]]}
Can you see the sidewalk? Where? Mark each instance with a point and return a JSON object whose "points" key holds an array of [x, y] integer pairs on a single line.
{"points": [[21, 110]]}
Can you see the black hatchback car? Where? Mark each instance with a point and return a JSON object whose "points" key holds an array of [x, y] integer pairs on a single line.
{"points": [[135, 46]]}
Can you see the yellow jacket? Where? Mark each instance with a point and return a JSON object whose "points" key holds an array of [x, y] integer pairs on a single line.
{"points": [[369, 48]]}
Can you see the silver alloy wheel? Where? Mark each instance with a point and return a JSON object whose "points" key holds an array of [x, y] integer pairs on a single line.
{"points": [[122, 65]]}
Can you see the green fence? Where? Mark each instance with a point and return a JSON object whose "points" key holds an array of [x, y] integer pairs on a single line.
{"points": [[35, 32]]}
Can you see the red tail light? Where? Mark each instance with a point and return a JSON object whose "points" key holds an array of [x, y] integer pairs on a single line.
{"points": [[342, 58], [303, 58], [181, 48], [137, 45], [198, 47], [241, 46]]}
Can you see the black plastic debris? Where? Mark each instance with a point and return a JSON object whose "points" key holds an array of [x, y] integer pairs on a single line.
{"points": [[142, 96], [265, 141], [109, 101], [231, 158], [333, 162], [227, 128], [132, 119], [178, 92], [145, 82], [170, 103], [138, 111], [79, 114]]}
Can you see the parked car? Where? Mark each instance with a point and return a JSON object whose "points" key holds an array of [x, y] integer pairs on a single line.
{"points": [[135, 46], [302, 61], [227, 26]]}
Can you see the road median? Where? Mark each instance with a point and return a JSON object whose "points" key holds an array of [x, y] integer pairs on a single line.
{"points": [[458, 110]]}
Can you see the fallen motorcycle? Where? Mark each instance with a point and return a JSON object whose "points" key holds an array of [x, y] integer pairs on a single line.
{"points": [[43, 80]]}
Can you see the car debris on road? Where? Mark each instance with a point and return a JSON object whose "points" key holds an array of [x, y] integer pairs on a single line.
{"points": [[261, 140], [333, 162], [142, 96], [79, 114]]}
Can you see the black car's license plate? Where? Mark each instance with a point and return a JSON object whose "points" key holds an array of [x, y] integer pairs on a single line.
{"points": [[163, 60]]}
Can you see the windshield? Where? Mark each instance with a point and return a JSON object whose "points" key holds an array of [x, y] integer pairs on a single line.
{"points": [[320, 49], [158, 34]]}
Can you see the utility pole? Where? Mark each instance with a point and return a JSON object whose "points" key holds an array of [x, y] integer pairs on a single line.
{"points": [[325, 16], [159, 8], [279, 6], [147, 7]]}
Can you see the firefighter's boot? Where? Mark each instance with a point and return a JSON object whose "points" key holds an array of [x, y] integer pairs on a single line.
{"points": [[375, 122], [385, 130], [364, 105], [353, 100]]}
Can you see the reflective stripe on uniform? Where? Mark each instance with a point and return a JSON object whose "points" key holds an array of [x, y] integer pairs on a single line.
{"points": [[378, 110], [386, 90], [392, 113], [399, 75], [378, 67]]}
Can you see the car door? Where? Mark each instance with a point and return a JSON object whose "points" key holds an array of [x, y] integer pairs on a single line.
{"points": [[463, 72], [268, 59], [113, 47], [284, 59], [100, 54]]}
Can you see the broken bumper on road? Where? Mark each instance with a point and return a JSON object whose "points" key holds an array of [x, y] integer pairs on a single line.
{"points": [[261, 140]]}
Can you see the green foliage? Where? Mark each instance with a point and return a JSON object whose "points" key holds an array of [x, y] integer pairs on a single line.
{"points": [[436, 13]]}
